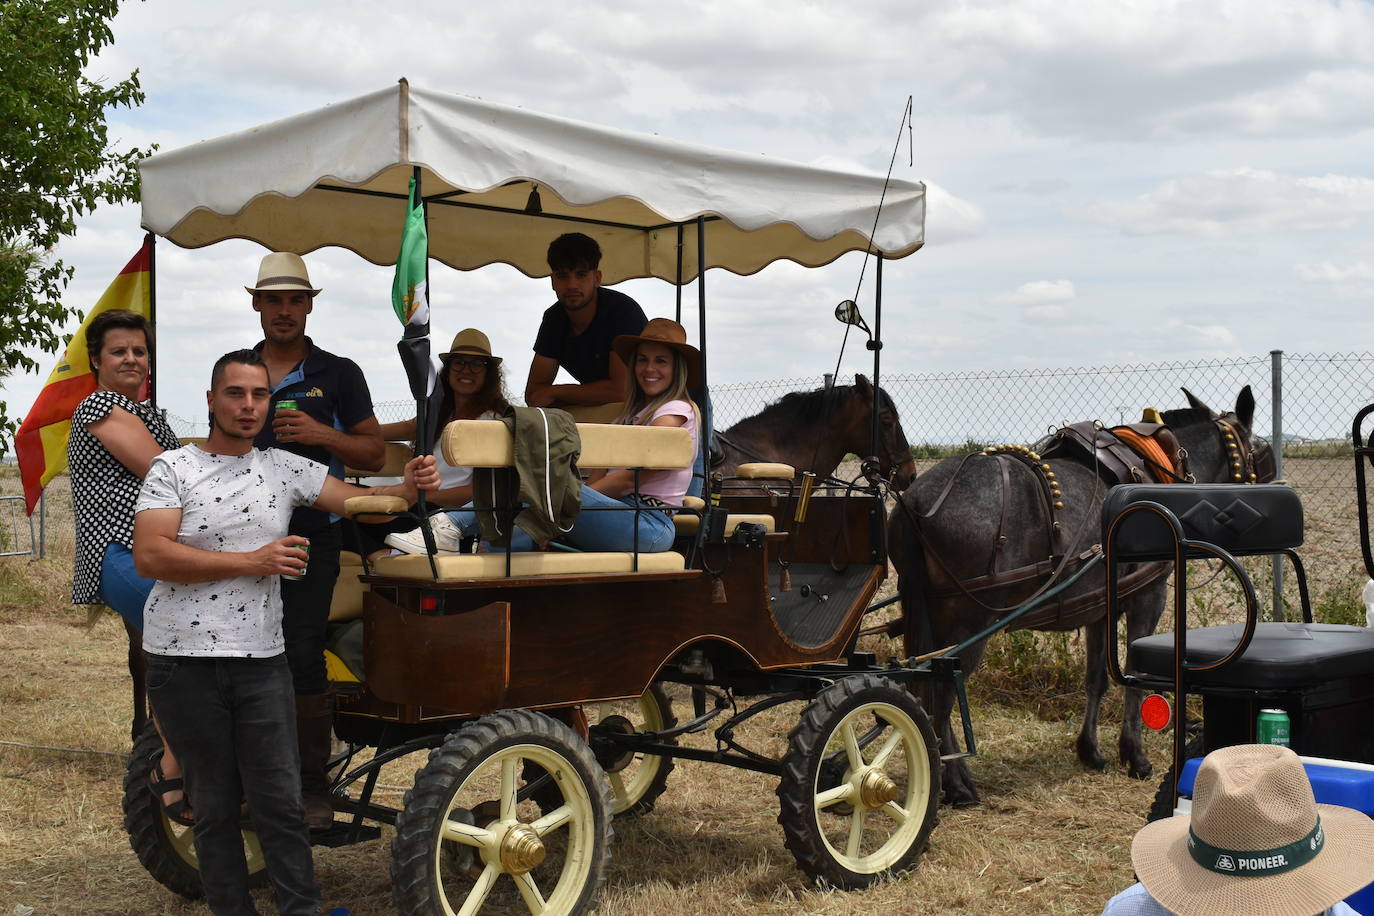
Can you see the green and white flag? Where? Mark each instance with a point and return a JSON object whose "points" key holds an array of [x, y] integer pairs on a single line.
{"points": [[410, 299], [409, 291]]}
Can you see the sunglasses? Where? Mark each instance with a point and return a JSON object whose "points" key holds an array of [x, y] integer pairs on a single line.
{"points": [[473, 364]]}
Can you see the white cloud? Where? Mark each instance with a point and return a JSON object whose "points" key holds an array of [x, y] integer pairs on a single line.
{"points": [[1038, 293], [950, 218], [1239, 200]]}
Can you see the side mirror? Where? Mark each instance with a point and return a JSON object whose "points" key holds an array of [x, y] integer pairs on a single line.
{"points": [[847, 312]]}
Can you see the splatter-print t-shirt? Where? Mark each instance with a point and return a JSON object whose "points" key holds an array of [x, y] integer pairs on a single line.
{"points": [[228, 503]]}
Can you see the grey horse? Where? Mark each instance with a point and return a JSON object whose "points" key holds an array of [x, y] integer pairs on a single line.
{"points": [[982, 514]]}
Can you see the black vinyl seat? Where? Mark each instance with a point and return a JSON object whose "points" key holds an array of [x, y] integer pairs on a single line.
{"points": [[1281, 656]]}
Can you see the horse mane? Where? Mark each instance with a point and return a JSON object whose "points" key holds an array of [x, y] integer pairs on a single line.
{"points": [[1187, 416], [805, 405]]}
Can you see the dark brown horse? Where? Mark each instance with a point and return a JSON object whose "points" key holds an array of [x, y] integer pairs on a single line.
{"points": [[814, 430], [969, 525]]}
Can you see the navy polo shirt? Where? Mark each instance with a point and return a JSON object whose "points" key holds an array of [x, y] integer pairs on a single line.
{"points": [[330, 389], [586, 356]]}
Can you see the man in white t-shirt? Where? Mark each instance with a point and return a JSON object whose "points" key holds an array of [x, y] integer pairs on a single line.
{"points": [[210, 526]]}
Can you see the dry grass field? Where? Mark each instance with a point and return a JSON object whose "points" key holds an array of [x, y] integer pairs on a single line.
{"points": [[1049, 838]]}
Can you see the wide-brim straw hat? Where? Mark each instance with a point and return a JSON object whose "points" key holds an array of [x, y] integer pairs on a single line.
{"points": [[474, 342], [670, 334], [280, 271], [1254, 821]]}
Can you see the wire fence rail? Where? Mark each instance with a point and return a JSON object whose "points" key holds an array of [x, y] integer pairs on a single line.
{"points": [[1303, 402]]}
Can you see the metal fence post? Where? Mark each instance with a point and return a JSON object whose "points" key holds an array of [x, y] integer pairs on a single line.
{"points": [[1276, 442]]}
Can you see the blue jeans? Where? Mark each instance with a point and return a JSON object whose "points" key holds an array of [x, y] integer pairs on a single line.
{"points": [[604, 524], [232, 724], [121, 586]]}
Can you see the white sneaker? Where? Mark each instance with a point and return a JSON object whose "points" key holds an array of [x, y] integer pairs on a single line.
{"points": [[448, 537]]}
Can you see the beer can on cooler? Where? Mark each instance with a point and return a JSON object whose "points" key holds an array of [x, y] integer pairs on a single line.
{"points": [[306, 548], [1272, 727], [287, 404]]}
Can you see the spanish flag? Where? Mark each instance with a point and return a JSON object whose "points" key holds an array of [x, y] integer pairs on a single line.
{"points": [[41, 443]]}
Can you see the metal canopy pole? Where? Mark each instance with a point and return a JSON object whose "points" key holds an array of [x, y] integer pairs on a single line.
{"points": [[701, 305], [678, 289], [876, 345], [152, 315]]}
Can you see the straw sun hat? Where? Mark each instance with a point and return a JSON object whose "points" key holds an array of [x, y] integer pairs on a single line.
{"points": [[670, 334], [1254, 842], [471, 341], [282, 270]]}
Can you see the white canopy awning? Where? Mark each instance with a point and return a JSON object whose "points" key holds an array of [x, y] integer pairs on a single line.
{"points": [[339, 175]]}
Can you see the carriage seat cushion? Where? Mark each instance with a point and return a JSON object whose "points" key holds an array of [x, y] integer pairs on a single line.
{"points": [[347, 602], [688, 525], [532, 563], [766, 469], [1244, 519], [1281, 655], [488, 444]]}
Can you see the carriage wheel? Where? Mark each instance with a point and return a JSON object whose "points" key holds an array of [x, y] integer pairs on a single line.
{"points": [[877, 817], [1161, 807], [163, 846], [637, 779], [469, 840]]}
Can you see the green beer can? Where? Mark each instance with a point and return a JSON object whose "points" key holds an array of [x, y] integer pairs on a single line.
{"points": [[287, 404], [301, 575], [1272, 727]]}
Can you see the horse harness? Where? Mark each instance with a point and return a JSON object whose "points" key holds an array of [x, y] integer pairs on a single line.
{"points": [[1125, 454]]}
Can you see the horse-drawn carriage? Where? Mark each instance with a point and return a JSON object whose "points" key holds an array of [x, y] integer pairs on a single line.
{"points": [[535, 680]]}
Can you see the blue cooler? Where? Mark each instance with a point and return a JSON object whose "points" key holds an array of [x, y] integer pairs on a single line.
{"points": [[1334, 782]]}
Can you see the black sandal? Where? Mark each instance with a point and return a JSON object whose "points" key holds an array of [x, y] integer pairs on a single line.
{"points": [[178, 811]]}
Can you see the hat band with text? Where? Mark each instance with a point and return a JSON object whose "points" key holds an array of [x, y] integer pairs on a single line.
{"points": [[1254, 862]]}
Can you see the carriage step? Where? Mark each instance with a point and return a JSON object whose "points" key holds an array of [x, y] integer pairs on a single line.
{"points": [[962, 755], [343, 833]]}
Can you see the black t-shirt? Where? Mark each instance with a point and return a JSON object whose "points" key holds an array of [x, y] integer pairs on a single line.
{"points": [[586, 356], [330, 389]]}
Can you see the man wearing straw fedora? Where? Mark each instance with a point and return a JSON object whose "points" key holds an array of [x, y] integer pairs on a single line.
{"points": [[327, 417], [1256, 843]]}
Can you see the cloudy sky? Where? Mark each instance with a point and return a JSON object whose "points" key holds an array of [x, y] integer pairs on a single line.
{"points": [[1111, 181]]}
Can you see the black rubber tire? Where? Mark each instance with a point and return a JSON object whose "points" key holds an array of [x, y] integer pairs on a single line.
{"points": [[1162, 806], [165, 849], [424, 875], [915, 773], [637, 794]]}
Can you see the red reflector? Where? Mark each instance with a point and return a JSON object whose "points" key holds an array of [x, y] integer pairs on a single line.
{"points": [[429, 604], [1156, 712]]}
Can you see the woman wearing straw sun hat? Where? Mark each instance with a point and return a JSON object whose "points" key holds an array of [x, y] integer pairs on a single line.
{"points": [[1256, 843], [471, 387]]}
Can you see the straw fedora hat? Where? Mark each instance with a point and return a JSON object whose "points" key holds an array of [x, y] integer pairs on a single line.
{"points": [[670, 334], [282, 270], [1256, 842], [473, 341]]}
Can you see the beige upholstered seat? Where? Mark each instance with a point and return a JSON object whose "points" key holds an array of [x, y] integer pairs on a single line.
{"points": [[534, 563], [487, 444], [766, 469], [689, 524], [394, 465]]}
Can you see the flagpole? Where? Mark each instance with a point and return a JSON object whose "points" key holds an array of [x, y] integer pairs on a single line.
{"points": [[152, 315]]}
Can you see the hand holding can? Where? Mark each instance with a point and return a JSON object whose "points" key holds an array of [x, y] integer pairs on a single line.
{"points": [[295, 577]]}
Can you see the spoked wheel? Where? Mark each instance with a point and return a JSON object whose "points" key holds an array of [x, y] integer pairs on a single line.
{"points": [[875, 817], [166, 848], [471, 839], [637, 779]]}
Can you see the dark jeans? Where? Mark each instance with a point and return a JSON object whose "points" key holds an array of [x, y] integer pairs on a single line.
{"points": [[232, 724], [305, 611]]}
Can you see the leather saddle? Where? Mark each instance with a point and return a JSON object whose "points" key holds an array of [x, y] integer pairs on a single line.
{"points": [[1109, 452]]}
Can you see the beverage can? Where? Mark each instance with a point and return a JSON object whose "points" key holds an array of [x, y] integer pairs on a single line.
{"points": [[301, 575], [287, 404], [1272, 727]]}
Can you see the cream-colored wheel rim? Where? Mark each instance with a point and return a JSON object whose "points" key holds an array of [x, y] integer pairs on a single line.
{"points": [[631, 779], [870, 819], [182, 840], [491, 839]]}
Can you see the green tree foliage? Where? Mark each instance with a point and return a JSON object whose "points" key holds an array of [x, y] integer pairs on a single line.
{"points": [[56, 161]]}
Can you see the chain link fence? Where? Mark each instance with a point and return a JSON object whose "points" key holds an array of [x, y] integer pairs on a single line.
{"points": [[947, 413]]}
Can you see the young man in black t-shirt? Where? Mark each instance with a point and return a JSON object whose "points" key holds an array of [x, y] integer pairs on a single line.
{"points": [[577, 331]]}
